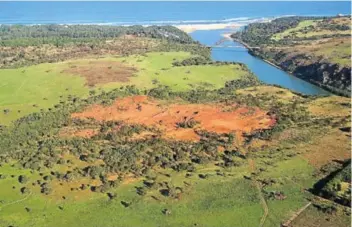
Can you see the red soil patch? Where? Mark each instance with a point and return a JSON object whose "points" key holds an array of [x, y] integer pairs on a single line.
{"points": [[101, 72], [151, 112]]}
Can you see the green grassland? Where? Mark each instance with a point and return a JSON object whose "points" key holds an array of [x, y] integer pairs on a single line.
{"points": [[334, 49], [302, 25], [309, 29], [156, 68], [30, 89], [320, 38], [313, 217], [218, 200], [338, 52]]}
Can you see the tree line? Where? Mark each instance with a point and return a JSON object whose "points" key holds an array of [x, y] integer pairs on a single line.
{"points": [[12, 35]]}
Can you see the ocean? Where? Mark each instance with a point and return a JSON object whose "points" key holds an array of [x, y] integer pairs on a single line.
{"points": [[127, 13]]}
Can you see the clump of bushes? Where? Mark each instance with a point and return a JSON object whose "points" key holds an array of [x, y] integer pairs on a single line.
{"points": [[188, 123]]}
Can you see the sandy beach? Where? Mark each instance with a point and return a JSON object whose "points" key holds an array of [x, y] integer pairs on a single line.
{"points": [[226, 35], [193, 27]]}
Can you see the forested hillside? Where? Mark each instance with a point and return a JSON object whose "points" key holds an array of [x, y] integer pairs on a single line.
{"points": [[27, 45], [21, 35]]}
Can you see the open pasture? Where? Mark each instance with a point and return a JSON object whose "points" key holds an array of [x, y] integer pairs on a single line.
{"points": [[30, 89]]}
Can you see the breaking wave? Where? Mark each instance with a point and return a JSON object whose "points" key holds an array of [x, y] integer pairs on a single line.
{"points": [[237, 20]]}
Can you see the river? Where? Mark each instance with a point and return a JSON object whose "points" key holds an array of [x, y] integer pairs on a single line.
{"points": [[233, 51]]}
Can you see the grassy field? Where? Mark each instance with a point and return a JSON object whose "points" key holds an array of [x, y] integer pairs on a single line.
{"points": [[313, 217], [338, 51], [29, 89], [158, 67], [291, 184], [310, 28], [218, 200], [334, 49], [223, 201], [296, 30]]}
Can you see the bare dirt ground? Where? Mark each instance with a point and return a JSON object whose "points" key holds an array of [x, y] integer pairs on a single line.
{"points": [[102, 72], [166, 117]]}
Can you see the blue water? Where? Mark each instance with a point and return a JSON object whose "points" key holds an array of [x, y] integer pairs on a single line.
{"points": [[143, 13], [156, 12], [264, 71]]}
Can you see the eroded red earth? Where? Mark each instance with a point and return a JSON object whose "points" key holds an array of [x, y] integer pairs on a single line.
{"points": [[151, 112]]}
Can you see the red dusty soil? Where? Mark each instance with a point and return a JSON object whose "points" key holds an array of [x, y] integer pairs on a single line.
{"points": [[151, 112]]}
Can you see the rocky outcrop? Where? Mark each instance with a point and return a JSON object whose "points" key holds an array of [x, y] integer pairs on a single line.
{"points": [[332, 77]]}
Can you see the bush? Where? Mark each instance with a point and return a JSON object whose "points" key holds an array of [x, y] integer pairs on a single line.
{"points": [[23, 179]]}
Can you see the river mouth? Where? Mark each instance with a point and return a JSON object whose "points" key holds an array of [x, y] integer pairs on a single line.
{"points": [[233, 51]]}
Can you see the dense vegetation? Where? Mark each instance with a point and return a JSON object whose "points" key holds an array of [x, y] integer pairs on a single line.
{"points": [[21, 35], [28, 45], [257, 34], [338, 187]]}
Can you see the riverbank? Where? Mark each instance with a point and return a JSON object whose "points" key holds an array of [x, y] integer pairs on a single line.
{"points": [[325, 87], [250, 51], [230, 52], [320, 55]]}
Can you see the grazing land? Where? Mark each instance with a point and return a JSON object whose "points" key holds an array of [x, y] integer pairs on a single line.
{"points": [[317, 50], [162, 136], [30, 89]]}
